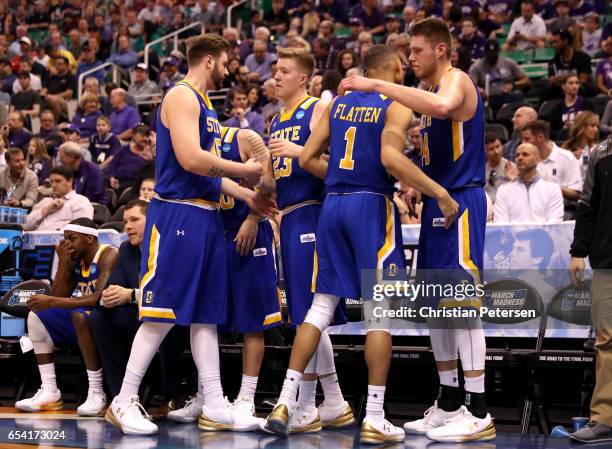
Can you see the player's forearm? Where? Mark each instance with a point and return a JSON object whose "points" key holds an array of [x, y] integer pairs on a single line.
{"points": [[418, 100], [315, 166], [268, 185], [570, 194], [404, 170], [72, 303], [231, 188], [205, 163]]}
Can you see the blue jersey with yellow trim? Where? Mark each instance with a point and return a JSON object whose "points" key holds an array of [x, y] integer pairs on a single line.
{"points": [[356, 123], [453, 153], [172, 180], [233, 212], [293, 184], [87, 277]]}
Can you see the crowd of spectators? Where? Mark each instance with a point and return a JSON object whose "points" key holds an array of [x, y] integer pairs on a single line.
{"points": [[101, 141]]}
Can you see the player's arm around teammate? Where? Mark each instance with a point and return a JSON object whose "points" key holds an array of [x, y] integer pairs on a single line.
{"points": [[254, 148], [448, 103]]}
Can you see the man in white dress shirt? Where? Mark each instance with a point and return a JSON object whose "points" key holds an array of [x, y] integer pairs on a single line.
{"points": [[529, 197], [556, 164], [527, 31]]}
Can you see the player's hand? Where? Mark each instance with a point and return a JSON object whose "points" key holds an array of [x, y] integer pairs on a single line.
{"points": [[247, 236], [576, 271], [284, 148], [63, 250], [254, 172], [115, 295], [52, 207], [356, 82], [449, 208], [412, 197], [261, 204], [37, 303]]}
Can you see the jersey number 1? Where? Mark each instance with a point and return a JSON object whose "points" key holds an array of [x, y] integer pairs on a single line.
{"points": [[347, 162]]}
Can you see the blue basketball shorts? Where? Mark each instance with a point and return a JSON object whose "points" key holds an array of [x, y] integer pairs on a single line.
{"points": [[454, 255], [254, 303], [183, 268], [359, 244], [58, 323], [298, 235]]}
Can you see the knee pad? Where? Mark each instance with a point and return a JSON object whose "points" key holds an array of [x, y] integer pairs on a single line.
{"points": [[39, 336], [321, 311]]}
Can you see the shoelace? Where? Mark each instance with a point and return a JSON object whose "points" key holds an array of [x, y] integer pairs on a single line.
{"points": [[428, 414], [136, 406], [191, 402]]}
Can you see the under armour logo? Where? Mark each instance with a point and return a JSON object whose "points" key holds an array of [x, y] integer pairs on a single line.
{"points": [[454, 379], [375, 395], [180, 232]]}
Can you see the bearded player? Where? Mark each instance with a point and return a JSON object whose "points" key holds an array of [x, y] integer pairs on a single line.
{"points": [[183, 269]]}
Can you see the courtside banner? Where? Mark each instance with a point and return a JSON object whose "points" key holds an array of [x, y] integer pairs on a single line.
{"points": [[524, 289]]}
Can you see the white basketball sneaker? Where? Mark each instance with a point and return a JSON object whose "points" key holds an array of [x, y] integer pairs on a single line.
{"points": [[216, 418], [43, 400], [94, 404], [130, 416], [434, 417], [305, 421], [381, 431], [336, 416], [464, 427], [190, 411], [244, 416]]}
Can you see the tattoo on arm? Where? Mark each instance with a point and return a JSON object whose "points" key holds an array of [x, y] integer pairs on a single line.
{"points": [[215, 172], [257, 146]]}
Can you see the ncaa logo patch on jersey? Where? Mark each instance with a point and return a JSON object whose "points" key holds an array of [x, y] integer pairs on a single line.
{"points": [[299, 114], [226, 147], [258, 252]]}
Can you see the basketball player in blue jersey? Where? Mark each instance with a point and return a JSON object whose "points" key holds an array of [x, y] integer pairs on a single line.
{"points": [[452, 127], [359, 228], [253, 296], [183, 268], [61, 318], [299, 196]]}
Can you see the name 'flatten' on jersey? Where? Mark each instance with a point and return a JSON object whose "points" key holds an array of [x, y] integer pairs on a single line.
{"points": [[356, 125]]}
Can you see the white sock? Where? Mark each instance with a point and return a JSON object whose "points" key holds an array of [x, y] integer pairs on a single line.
{"points": [[95, 380], [248, 387], [331, 389], [290, 387], [47, 377], [205, 351], [306, 396], [475, 384], [146, 343], [376, 401], [449, 378]]}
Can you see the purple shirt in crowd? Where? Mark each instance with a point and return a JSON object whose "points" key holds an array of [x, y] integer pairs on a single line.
{"points": [[125, 119], [89, 182], [604, 68], [86, 123], [107, 146], [42, 168], [125, 165]]}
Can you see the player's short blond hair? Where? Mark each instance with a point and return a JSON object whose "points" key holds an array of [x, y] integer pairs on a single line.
{"points": [[301, 56]]}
